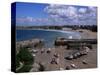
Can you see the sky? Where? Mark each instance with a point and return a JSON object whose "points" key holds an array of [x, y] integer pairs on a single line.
{"points": [[39, 14]]}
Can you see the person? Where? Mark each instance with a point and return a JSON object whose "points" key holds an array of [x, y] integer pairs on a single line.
{"points": [[42, 51], [57, 60], [53, 61], [67, 68], [87, 49], [49, 50], [56, 55]]}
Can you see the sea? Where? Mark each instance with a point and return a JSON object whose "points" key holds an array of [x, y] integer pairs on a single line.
{"points": [[49, 36]]}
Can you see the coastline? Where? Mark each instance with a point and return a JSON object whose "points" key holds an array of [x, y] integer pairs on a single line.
{"points": [[42, 56], [85, 34], [63, 31]]}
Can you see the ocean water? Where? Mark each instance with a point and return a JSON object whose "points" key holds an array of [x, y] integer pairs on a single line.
{"points": [[48, 36]]}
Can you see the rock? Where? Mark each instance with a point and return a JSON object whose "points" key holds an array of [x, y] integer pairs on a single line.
{"points": [[34, 51], [87, 49], [76, 55], [83, 53], [61, 68], [35, 67], [73, 66], [84, 62], [70, 57], [42, 67], [34, 55]]}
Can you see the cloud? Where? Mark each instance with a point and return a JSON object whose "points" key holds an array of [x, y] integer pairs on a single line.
{"points": [[72, 14], [93, 9], [82, 10], [61, 10], [30, 19], [33, 21]]}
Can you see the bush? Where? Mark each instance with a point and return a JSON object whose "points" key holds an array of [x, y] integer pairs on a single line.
{"points": [[17, 61], [25, 68], [25, 56]]}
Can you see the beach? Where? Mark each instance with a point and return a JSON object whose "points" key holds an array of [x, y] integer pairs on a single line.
{"points": [[54, 58]]}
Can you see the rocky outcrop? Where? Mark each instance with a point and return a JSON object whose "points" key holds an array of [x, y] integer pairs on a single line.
{"points": [[28, 43], [78, 54]]}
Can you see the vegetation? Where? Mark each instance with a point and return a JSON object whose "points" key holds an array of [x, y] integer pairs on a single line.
{"points": [[17, 61], [88, 27], [25, 57], [25, 68], [74, 27]]}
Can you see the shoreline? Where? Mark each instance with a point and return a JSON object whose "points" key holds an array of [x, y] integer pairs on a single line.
{"points": [[63, 31], [85, 34]]}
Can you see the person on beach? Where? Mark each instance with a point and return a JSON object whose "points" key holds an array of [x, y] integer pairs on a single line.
{"points": [[53, 61], [42, 51], [49, 50], [56, 55]]}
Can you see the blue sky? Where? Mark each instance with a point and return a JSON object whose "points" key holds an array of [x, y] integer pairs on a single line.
{"points": [[36, 14], [30, 9]]}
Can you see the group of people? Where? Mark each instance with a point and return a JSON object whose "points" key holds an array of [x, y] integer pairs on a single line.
{"points": [[55, 58]]}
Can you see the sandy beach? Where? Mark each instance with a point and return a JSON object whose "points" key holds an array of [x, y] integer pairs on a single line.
{"points": [[42, 55]]}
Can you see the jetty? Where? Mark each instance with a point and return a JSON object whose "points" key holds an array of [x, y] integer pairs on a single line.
{"points": [[75, 43]]}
